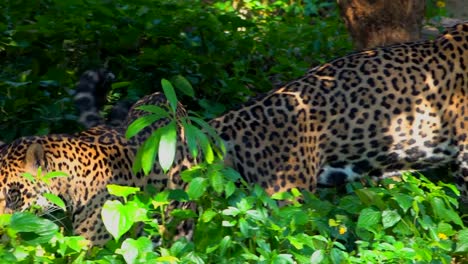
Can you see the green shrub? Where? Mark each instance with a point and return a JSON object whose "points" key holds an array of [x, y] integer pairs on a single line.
{"points": [[226, 55]]}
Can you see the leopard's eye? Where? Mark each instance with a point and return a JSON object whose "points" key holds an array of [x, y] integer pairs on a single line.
{"points": [[14, 200]]}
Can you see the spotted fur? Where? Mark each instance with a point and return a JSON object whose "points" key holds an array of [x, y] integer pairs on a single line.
{"points": [[93, 159], [376, 112]]}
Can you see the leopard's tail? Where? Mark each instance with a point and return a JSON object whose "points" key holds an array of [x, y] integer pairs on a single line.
{"points": [[90, 96]]}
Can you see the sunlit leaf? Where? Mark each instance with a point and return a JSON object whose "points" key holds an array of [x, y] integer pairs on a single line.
{"points": [[148, 155], [55, 200], [136, 126], [167, 146], [122, 191]]}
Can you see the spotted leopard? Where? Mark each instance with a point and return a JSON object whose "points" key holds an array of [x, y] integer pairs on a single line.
{"points": [[93, 159], [374, 112]]}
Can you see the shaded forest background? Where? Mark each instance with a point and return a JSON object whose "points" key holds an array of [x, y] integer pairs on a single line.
{"points": [[228, 50]]}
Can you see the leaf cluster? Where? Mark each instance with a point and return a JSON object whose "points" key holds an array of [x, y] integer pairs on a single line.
{"points": [[227, 53]]}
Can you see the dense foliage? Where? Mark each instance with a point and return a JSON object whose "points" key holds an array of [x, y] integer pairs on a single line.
{"points": [[228, 50], [227, 56]]}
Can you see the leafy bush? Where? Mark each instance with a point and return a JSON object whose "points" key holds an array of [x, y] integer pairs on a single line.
{"points": [[227, 54], [412, 221]]}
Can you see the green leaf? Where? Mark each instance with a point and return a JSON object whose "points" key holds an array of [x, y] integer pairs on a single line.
{"points": [[232, 211], [206, 127], [118, 85], [404, 200], [462, 243], [149, 149], [318, 256], [183, 85], [441, 211], [216, 180], [282, 259], [206, 146], [167, 146], [55, 200], [245, 228], [135, 251], [170, 94], [197, 188], [368, 218], [115, 219], [28, 176], [156, 110], [191, 138], [32, 229], [119, 218], [390, 218], [230, 188], [208, 215], [54, 174], [136, 126], [121, 191]]}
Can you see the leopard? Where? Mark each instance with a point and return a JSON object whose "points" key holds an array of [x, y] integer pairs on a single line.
{"points": [[92, 159], [373, 112]]}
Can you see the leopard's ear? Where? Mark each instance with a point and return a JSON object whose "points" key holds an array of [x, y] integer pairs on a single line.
{"points": [[35, 158]]}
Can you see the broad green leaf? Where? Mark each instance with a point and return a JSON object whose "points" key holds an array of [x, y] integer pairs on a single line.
{"points": [[462, 244], [197, 188], [170, 94], [136, 126], [167, 146], [282, 259], [134, 251], [232, 211], [390, 218], [370, 197], [76, 243], [441, 211], [404, 200], [230, 188], [231, 174], [183, 85], [216, 180], [208, 215], [55, 200], [318, 256], [368, 218], [115, 219], [119, 218], [32, 229], [245, 228], [122, 191]]}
